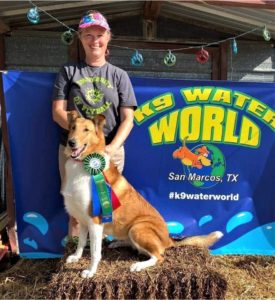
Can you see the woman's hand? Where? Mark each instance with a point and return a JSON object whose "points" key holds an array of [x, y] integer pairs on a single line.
{"points": [[110, 150], [59, 113]]}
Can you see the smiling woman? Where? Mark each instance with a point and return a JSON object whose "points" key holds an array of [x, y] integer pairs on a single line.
{"points": [[95, 41], [93, 86]]}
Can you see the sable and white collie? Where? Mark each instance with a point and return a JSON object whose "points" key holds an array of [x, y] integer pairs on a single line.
{"points": [[135, 222]]}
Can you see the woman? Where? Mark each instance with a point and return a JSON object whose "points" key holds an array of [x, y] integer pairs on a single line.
{"points": [[94, 86]]}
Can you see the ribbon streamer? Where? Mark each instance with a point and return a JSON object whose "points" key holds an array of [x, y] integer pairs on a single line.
{"points": [[101, 198]]}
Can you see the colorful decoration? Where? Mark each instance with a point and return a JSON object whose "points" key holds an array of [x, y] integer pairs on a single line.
{"points": [[101, 198], [202, 56], [67, 37], [94, 163], [33, 15], [266, 34], [170, 59], [234, 46], [137, 59]]}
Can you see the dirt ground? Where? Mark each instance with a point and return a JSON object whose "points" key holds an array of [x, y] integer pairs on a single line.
{"points": [[240, 277]]}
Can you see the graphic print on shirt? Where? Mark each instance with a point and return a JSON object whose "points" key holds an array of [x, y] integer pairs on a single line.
{"points": [[94, 96]]}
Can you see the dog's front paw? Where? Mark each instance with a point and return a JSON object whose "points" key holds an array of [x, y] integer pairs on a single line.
{"points": [[72, 259], [137, 267], [87, 273]]}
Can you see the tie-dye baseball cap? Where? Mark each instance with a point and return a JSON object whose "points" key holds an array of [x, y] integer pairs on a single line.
{"points": [[92, 18]]}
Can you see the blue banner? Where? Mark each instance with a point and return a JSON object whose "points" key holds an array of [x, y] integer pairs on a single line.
{"points": [[202, 152]]}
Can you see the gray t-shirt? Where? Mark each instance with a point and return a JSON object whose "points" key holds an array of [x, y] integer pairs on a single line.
{"points": [[95, 90]]}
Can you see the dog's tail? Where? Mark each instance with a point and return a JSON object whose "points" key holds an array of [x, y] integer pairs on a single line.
{"points": [[202, 241], [184, 141]]}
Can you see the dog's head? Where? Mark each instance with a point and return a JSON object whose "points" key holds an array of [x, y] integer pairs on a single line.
{"points": [[85, 135], [203, 151]]}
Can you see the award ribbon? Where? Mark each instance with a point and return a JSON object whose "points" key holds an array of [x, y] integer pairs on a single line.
{"points": [[104, 197], [94, 164]]}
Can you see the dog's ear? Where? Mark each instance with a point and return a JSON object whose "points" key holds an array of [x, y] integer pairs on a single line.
{"points": [[99, 121], [72, 115]]}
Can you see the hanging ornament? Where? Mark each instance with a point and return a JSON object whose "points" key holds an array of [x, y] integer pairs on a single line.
{"points": [[67, 37], [234, 46], [170, 59], [202, 56], [266, 34], [137, 59], [33, 15]]}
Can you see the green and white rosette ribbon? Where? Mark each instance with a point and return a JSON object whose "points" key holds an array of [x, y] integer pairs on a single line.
{"points": [[94, 164]]}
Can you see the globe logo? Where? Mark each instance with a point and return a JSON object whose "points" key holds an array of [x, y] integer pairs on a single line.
{"points": [[206, 175]]}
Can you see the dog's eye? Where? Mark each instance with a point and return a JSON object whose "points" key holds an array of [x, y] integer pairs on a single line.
{"points": [[73, 127], [86, 129]]}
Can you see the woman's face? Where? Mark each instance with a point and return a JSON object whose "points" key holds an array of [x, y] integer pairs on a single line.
{"points": [[95, 40]]}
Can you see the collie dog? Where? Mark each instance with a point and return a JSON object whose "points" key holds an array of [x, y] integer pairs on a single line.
{"points": [[135, 222]]}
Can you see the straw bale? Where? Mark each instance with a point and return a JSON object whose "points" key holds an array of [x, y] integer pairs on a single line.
{"points": [[186, 273]]}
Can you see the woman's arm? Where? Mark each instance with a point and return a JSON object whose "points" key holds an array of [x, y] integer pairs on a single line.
{"points": [[124, 129], [59, 113]]}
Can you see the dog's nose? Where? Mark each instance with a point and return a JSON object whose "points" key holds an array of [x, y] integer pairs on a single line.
{"points": [[72, 143]]}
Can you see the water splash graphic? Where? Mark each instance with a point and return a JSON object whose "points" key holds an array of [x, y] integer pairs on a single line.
{"points": [[258, 241], [37, 220], [239, 219], [205, 219], [32, 243], [175, 227]]}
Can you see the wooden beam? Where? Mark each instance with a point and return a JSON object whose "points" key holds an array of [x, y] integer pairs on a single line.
{"points": [[2, 52], [53, 7], [3, 27], [167, 45], [264, 4], [151, 10], [74, 21], [238, 18]]}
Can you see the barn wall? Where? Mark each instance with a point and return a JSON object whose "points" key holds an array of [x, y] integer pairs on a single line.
{"points": [[35, 52], [45, 52], [255, 61]]}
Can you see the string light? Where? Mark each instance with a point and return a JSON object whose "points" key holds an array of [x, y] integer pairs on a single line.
{"points": [[170, 59], [137, 59], [234, 46], [202, 56], [67, 37], [33, 15], [266, 34]]}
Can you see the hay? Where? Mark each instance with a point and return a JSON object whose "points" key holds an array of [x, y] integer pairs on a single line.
{"points": [[27, 279], [186, 273], [248, 277]]}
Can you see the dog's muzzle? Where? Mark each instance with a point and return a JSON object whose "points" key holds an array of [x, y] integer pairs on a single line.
{"points": [[76, 151]]}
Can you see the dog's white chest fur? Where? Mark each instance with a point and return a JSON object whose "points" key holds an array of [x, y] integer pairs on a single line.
{"points": [[77, 191]]}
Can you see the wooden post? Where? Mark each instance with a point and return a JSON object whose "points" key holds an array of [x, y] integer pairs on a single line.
{"points": [[223, 60], [215, 65], [8, 170], [151, 12]]}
